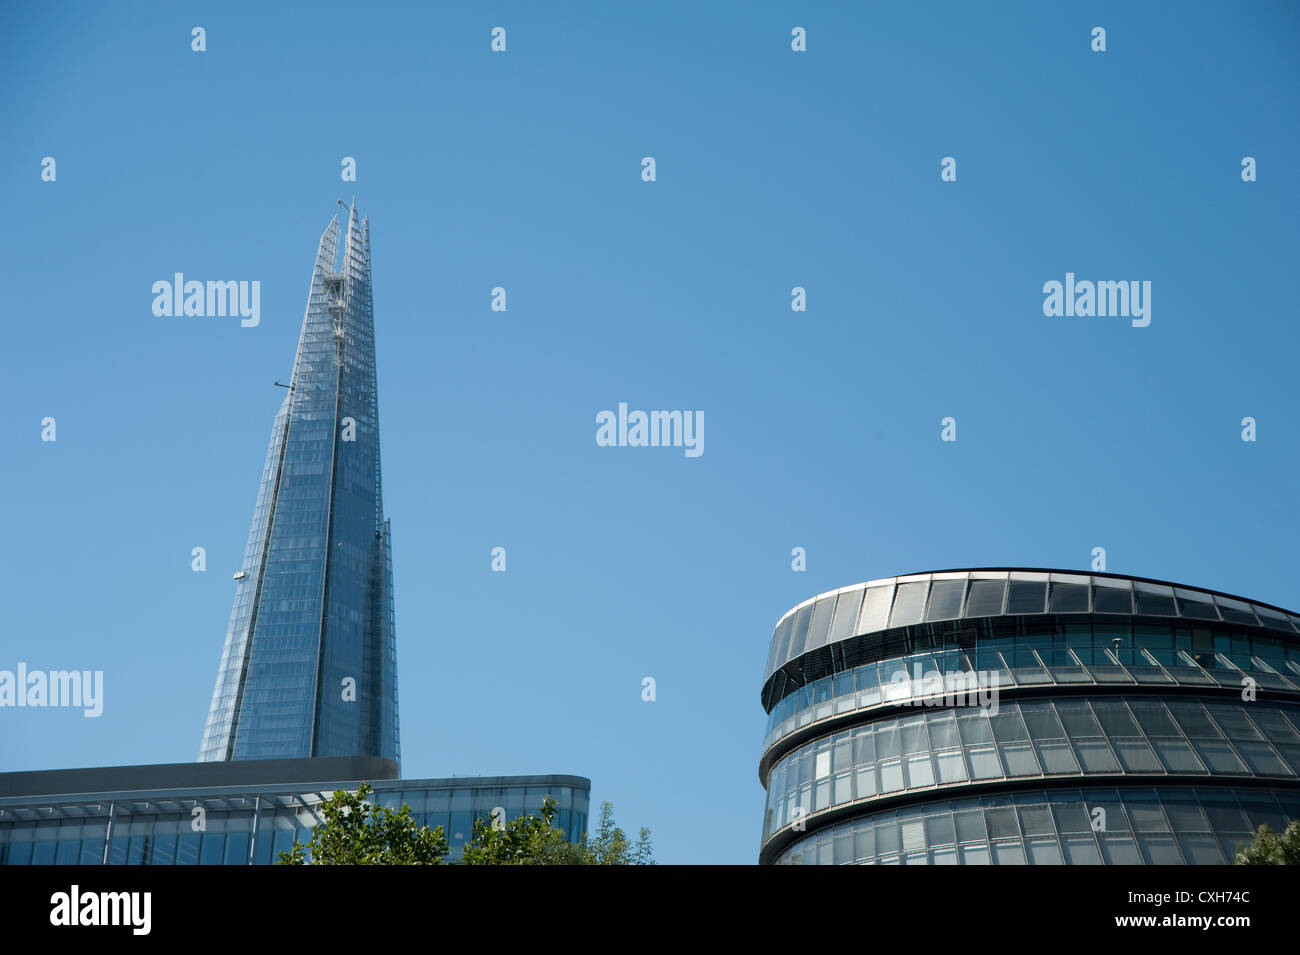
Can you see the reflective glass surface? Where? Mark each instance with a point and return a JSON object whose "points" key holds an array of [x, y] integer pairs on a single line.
{"points": [[934, 748], [1164, 825], [245, 828], [309, 665], [904, 602], [1052, 653]]}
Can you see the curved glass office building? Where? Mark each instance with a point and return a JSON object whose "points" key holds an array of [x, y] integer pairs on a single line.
{"points": [[1011, 716]]}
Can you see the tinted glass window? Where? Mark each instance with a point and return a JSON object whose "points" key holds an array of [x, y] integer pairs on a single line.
{"points": [[985, 598], [1026, 596]]}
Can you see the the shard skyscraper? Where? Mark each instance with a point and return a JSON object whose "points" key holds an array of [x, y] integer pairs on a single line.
{"points": [[309, 667]]}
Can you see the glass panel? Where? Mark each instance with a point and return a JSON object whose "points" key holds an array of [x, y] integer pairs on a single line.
{"points": [[912, 833], [1153, 718], [236, 849], [1235, 611], [1195, 605], [1057, 758], [945, 599], [974, 726], [939, 829], [780, 644], [1108, 599], [866, 781], [919, 771], [1119, 849], [1159, 850], [875, 609], [1071, 817], [970, 826], [1069, 598], [975, 855], [799, 632], [1233, 722], [211, 848], [43, 852], [1026, 597], [868, 685], [1274, 619], [843, 848], [943, 731], [908, 604], [1114, 717], [164, 849], [1201, 850], [1081, 850], [1177, 755], [1195, 724], [913, 734], [820, 627], [187, 848], [984, 763], [68, 851], [1041, 721], [1096, 756], [864, 844], [1044, 852], [891, 776], [1154, 599], [985, 598], [1019, 759], [846, 616], [952, 769], [1077, 719], [1183, 811], [1001, 821], [1136, 756], [1009, 853], [887, 740], [1218, 755], [1222, 810], [1007, 725], [864, 750]]}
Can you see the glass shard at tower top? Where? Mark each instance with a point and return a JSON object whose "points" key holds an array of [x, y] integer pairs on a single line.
{"points": [[310, 660]]}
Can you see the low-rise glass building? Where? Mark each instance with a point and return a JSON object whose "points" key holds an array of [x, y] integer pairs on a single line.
{"points": [[242, 812], [1028, 717]]}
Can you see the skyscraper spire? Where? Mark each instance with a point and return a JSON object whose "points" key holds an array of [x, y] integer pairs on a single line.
{"points": [[309, 666]]}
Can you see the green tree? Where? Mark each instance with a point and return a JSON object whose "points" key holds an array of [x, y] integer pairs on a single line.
{"points": [[527, 840], [532, 840], [611, 846], [357, 833], [354, 832], [1269, 848]]}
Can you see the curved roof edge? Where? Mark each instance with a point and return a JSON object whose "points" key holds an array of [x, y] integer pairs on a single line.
{"points": [[794, 636], [1073, 572]]}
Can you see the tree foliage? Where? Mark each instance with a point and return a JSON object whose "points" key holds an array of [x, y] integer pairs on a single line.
{"points": [[610, 846], [532, 840], [1269, 848], [355, 832]]}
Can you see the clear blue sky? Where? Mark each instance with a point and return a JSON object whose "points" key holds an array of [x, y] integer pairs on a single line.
{"points": [[522, 170]]}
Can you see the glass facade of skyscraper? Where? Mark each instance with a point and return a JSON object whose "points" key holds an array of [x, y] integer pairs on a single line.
{"points": [[306, 694], [309, 665]]}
